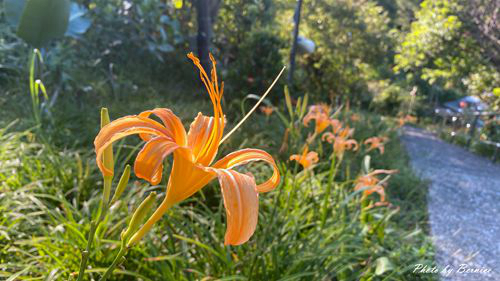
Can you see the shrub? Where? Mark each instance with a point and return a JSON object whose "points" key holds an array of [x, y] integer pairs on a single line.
{"points": [[259, 61]]}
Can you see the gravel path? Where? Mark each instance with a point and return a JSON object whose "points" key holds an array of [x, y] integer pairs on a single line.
{"points": [[463, 203]]}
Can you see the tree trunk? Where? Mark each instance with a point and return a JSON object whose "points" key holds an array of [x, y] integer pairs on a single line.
{"points": [[204, 32], [295, 38]]}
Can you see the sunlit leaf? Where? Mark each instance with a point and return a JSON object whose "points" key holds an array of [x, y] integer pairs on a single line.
{"points": [[383, 264]]}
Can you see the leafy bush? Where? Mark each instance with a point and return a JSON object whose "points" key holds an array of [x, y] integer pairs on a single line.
{"points": [[259, 61]]}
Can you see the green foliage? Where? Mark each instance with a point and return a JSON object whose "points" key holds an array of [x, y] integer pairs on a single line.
{"points": [[436, 24], [238, 18], [440, 50], [259, 61], [142, 28], [343, 62]]}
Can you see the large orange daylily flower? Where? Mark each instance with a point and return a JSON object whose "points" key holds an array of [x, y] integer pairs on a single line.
{"points": [[307, 158], [193, 156], [321, 114], [376, 143], [373, 184]]}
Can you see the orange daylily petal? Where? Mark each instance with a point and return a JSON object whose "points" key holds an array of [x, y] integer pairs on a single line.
{"points": [[187, 177], [245, 156], [242, 205], [381, 149], [171, 122], [306, 160], [320, 108], [321, 125], [122, 127], [267, 110], [382, 171], [336, 125], [198, 137], [351, 144], [328, 136], [149, 162], [376, 189]]}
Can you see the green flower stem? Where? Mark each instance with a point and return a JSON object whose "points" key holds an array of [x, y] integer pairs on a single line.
{"points": [[86, 253], [90, 240], [93, 228], [118, 259], [331, 177]]}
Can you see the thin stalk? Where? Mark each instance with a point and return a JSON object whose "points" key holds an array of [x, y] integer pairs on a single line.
{"points": [[292, 192], [160, 211], [118, 259], [90, 240], [93, 227], [331, 177], [86, 253], [33, 93]]}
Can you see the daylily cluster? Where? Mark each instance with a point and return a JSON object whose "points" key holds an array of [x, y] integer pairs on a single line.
{"points": [[372, 184], [193, 161], [339, 136]]}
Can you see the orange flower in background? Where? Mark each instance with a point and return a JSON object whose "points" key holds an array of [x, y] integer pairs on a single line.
{"points": [[307, 159], [336, 125], [320, 113], [345, 132], [341, 141], [340, 145], [401, 122], [407, 119], [373, 184], [320, 108], [193, 156], [376, 143], [267, 110], [355, 117], [337, 131]]}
